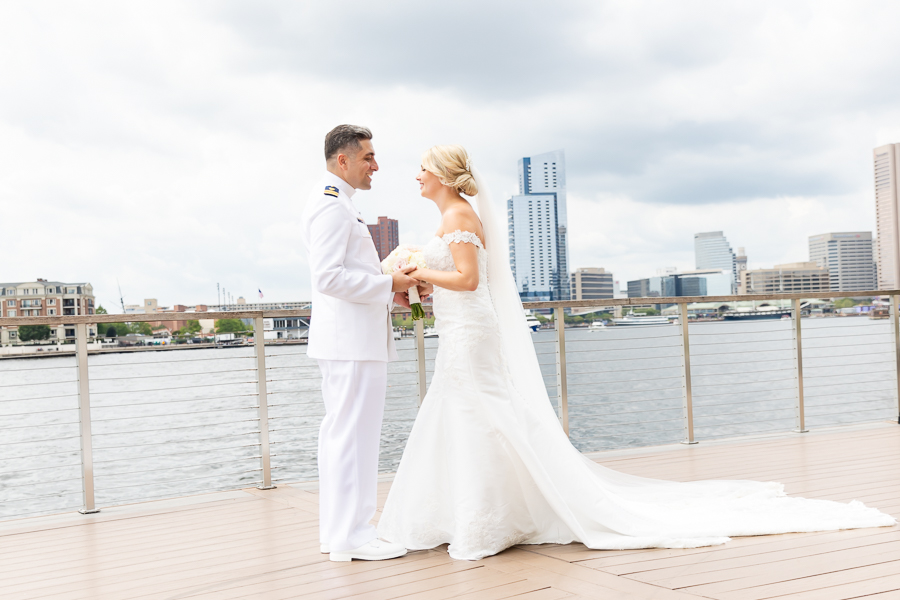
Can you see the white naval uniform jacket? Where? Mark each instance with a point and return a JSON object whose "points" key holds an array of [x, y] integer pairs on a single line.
{"points": [[351, 297]]}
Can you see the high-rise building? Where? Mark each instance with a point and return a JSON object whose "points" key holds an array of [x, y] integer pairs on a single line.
{"points": [[848, 258], [791, 278], [590, 283], [712, 251], [538, 240], [740, 264], [386, 235], [887, 215], [44, 298]]}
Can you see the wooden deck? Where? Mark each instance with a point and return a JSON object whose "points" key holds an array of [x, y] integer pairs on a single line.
{"points": [[264, 544]]}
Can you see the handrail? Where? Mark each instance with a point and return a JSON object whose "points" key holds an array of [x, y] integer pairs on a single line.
{"points": [[306, 312]]}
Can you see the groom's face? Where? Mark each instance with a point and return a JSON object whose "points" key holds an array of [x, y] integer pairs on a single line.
{"points": [[361, 166]]}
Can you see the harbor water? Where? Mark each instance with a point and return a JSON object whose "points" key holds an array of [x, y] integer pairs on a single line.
{"points": [[179, 422]]}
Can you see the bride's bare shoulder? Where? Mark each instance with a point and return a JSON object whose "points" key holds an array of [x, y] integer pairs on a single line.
{"points": [[463, 218]]}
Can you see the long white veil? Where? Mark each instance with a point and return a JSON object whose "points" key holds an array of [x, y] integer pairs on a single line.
{"points": [[515, 335]]}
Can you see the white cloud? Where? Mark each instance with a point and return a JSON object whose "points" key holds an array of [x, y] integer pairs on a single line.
{"points": [[172, 145]]}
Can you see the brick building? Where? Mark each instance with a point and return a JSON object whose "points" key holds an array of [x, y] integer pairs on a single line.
{"points": [[386, 235]]}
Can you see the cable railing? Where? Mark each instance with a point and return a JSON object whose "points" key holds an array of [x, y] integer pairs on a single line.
{"points": [[105, 427]]}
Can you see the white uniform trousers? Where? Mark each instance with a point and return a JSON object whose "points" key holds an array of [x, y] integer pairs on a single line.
{"points": [[349, 440]]}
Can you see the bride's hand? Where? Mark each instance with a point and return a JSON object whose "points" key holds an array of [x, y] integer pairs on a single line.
{"points": [[425, 289]]}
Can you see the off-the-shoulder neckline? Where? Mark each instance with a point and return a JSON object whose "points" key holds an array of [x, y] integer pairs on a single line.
{"points": [[480, 244]]}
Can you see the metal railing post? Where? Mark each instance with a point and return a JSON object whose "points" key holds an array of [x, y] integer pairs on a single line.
{"points": [[895, 322], [562, 390], [420, 357], [798, 365], [259, 342], [687, 399], [84, 417]]}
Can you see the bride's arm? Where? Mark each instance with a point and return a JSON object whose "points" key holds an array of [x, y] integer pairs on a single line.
{"points": [[463, 279], [465, 256]]}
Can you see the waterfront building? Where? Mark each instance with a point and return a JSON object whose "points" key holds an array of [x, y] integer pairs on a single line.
{"points": [[591, 283], [386, 235], [887, 215], [849, 258], [740, 264], [790, 278], [538, 239], [712, 251], [698, 282], [44, 298]]}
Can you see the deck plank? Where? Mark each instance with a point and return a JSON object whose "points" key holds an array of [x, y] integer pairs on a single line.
{"points": [[264, 544]]}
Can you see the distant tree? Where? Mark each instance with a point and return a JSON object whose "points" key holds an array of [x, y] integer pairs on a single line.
{"points": [[230, 326], [122, 329], [646, 311], [28, 333], [111, 331], [100, 310], [845, 303], [191, 328], [143, 328]]}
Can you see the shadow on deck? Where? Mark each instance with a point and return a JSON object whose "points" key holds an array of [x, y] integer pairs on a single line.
{"points": [[264, 544]]}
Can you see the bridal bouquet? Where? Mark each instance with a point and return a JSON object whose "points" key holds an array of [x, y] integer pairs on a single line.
{"points": [[402, 256]]}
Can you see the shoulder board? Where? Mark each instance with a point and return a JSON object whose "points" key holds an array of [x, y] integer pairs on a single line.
{"points": [[330, 190]]}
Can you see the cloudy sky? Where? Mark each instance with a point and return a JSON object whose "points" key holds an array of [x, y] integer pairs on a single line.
{"points": [[171, 145]]}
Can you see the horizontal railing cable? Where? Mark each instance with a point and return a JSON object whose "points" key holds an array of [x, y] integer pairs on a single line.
{"points": [[183, 387], [890, 389], [39, 398], [53, 439], [747, 392], [833, 384], [751, 412], [30, 469], [93, 379], [162, 362], [7, 486], [171, 454], [177, 467], [180, 414], [33, 383], [171, 481], [178, 427], [178, 401], [180, 441]]}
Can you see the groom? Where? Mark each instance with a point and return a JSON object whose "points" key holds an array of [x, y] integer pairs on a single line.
{"points": [[351, 336]]}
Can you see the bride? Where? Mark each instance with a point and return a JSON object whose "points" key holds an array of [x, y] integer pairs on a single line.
{"points": [[487, 465]]}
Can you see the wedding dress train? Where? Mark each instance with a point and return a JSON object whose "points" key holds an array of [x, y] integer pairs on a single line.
{"points": [[484, 470], [487, 465]]}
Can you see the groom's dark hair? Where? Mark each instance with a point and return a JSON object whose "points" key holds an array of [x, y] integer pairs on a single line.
{"points": [[345, 137]]}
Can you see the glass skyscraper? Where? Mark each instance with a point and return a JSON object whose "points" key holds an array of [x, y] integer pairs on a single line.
{"points": [[538, 241], [887, 250], [712, 251]]}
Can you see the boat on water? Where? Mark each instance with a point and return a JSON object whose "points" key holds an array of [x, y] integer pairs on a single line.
{"points": [[532, 323], [757, 314], [430, 332], [633, 319], [597, 326]]}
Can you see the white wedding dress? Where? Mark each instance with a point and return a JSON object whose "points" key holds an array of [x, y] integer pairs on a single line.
{"points": [[488, 466]]}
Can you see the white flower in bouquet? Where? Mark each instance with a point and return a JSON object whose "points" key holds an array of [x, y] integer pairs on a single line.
{"points": [[402, 256]]}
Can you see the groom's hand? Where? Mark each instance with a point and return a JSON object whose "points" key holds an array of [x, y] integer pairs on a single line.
{"points": [[402, 298], [402, 281]]}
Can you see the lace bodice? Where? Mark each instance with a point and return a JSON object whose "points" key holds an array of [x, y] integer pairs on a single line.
{"points": [[447, 303]]}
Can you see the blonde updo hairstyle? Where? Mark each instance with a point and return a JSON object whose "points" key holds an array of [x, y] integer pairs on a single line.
{"points": [[452, 166]]}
